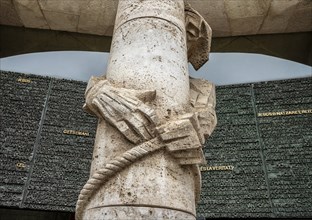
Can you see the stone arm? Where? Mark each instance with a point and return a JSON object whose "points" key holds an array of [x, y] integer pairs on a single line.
{"points": [[125, 109], [185, 136], [128, 111]]}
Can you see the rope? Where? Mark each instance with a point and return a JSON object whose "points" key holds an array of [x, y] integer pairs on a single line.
{"points": [[112, 168]]}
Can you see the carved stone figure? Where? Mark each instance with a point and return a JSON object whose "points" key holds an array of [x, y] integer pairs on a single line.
{"points": [[153, 119]]}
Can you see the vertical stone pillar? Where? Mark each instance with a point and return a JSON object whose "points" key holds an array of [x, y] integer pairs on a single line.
{"points": [[148, 140], [149, 51]]}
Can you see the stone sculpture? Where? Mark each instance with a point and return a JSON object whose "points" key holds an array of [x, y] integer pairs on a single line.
{"points": [[150, 135]]}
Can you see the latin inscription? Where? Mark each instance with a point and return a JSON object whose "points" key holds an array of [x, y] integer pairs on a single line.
{"points": [[295, 112], [213, 168], [79, 133], [23, 80]]}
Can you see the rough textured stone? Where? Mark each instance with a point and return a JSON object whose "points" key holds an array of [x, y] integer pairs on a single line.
{"points": [[278, 16], [246, 16], [30, 13], [93, 15], [145, 129]]}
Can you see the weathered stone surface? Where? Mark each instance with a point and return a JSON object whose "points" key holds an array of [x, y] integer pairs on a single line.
{"points": [[62, 15], [246, 16], [278, 16], [144, 129], [301, 18], [30, 13], [97, 17], [8, 15], [215, 14], [226, 17]]}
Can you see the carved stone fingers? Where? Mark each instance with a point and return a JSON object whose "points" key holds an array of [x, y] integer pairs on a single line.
{"points": [[123, 108]]}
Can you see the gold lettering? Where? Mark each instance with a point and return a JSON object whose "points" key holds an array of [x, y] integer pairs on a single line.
{"points": [[23, 80], [20, 165], [295, 112], [223, 168], [73, 132]]}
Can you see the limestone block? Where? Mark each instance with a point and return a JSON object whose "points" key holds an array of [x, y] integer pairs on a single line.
{"points": [[226, 17], [236, 9], [97, 17], [246, 16], [215, 14], [68, 6], [31, 14], [278, 16], [62, 15], [8, 15], [301, 19], [61, 21]]}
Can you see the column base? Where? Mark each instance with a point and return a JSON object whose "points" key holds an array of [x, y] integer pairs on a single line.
{"points": [[136, 212]]}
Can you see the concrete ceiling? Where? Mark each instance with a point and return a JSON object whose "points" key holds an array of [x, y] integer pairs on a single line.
{"points": [[226, 17]]}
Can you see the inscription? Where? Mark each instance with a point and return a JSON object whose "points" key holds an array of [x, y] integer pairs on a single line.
{"points": [[213, 168], [23, 80], [295, 112], [79, 133], [20, 165]]}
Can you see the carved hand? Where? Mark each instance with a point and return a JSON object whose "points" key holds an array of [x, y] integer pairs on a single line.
{"points": [[185, 136], [122, 108]]}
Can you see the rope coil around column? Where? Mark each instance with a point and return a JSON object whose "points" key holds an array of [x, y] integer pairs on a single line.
{"points": [[112, 168]]}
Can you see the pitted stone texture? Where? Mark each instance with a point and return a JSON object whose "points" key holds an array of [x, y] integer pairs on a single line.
{"points": [[183, 137], [139, 213], [148, 60], [157, 174]]}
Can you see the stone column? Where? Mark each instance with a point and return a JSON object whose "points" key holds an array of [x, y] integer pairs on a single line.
{"points": [[150, 130]]}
